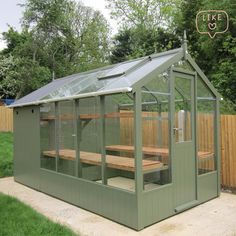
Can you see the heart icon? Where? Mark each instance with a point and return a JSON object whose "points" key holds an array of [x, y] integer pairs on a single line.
{"points": [[212, 26]]}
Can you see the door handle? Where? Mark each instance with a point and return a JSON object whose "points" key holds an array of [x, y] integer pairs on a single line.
{"points": [[175, 129]]}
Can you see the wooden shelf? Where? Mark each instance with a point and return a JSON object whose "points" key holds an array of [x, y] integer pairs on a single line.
{"points": [[115, 162], [146, 150], [108, 115], [89, 116], [62, 117], [155, 151], [205, 156], [97, 116], [48, 118], [121, 114]]}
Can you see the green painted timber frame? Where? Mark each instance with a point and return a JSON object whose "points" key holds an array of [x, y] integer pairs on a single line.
{"points": [[137, 209]]}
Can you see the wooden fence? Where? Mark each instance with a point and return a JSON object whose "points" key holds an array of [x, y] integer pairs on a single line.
{"points": [[6, 119], [228, 151], [205, 122], [205, 140]]}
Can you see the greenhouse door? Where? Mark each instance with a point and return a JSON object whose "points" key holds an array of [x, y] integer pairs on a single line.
{"points": [[183, 157]]}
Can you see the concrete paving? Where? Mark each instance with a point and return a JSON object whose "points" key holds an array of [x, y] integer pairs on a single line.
{"points": [[216, 217]]}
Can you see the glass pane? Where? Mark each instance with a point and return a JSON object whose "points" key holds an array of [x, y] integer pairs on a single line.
{"points": [[89, 139], [183, 64], [96, 85], [122, 67], [67, 134], [82, 84], [119, 141], [202, 90], [69, 88], [155, 133], [47, 136], [183, 88], [159, 84], [205, 136]]}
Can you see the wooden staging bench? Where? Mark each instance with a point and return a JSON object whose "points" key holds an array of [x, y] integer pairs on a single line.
{"points": [[115, 162], [163, 152], [146, 150]]}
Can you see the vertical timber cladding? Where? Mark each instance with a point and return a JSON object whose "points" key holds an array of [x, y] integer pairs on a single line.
{"points": [[27, 145], [157, 204], [207, 186], [112, 203]]}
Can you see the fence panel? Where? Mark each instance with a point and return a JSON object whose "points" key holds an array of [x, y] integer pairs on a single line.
{"points": [[6, 119], [228, 151], [206, 142]]}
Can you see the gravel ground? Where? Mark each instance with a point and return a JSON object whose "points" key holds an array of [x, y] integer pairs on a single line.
{"points": [[216, 217]]}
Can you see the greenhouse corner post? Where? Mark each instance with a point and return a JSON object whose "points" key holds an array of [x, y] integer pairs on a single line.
{"points": [[171, 120], [57, 146], [102, 138], [138, 155], [217, 144], [195, 134], [78, 169]]}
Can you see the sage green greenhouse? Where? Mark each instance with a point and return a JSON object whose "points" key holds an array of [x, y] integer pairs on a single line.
{"points": [[135, 142]]}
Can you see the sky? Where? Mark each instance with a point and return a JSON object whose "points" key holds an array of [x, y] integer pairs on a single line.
{"points": [[11, 12]]}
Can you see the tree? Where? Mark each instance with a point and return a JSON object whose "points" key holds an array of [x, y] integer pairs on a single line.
{"points": [[122, 46], [223, 74], [215, 56], [143, 27], [9, 83], [74, 37], [19, 76], [31, 76], [20, 72], [185, 20], [148, 14], [135, 43], [58, 38]]}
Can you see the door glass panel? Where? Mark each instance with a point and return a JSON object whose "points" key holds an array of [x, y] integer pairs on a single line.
{"points": [[183, 161], [183, 109]]}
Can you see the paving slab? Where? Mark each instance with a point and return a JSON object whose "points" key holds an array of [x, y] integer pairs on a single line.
{"points": [[216, 217]]}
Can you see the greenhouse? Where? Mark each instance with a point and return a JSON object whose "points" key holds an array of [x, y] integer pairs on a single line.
{"points": [[135, 142]]}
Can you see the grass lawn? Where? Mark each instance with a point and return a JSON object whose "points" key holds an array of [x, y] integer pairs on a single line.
{"points": [[6, 154], [18, 219]]}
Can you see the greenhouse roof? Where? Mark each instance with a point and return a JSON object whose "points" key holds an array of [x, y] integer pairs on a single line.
{"points": [[111, 79]]}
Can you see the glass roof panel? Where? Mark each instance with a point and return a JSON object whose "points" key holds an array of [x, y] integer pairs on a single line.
{"points": [[82, 84], [120, 68], [159, 84], [90, 82], [45, 90], [95, 80], [136, 75], [96, 85], [64, 90]]}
